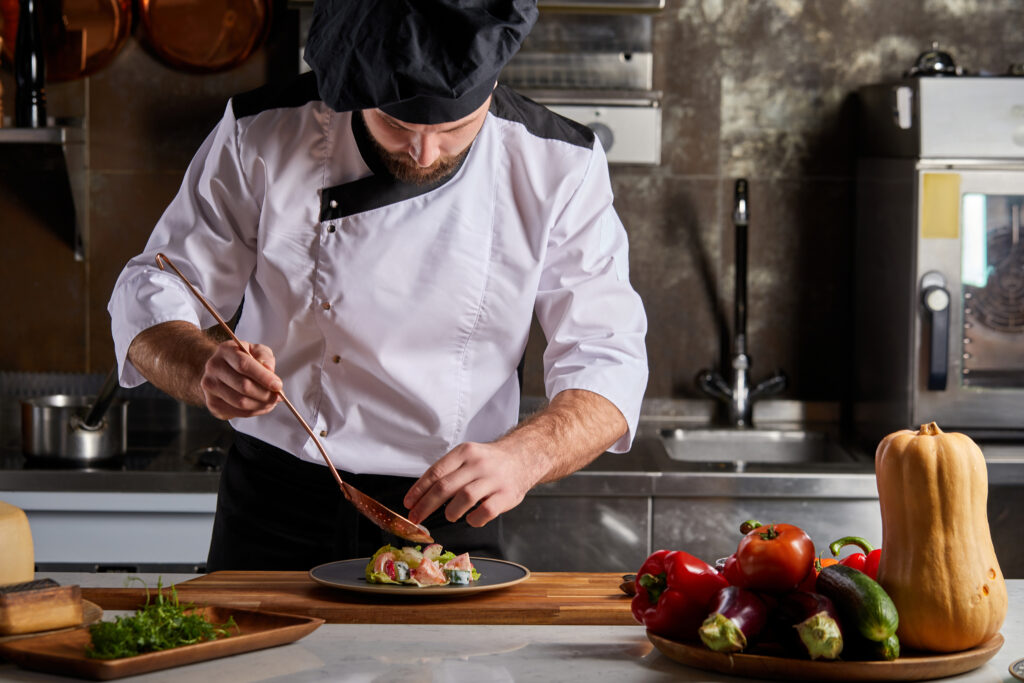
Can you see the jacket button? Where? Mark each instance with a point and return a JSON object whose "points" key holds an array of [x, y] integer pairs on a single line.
{"points": [[333, 204], [323, 432], [336, 359], [331, 228], [326, 305]]}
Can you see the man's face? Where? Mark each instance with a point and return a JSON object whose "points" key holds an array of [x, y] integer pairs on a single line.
{"points": [[423, 153]]}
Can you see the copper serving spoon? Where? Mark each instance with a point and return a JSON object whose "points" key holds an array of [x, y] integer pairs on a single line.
{"points": [[382, 516]]}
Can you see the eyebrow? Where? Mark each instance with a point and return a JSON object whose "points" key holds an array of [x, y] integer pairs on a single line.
{"points": [[398, 124]]}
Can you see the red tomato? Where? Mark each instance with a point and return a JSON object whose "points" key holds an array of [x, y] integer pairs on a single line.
{"points": [[774, 557]]}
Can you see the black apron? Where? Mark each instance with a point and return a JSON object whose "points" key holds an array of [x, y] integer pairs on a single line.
{"points": [[276, 512]]}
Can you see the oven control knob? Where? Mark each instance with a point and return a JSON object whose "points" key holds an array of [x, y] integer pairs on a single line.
{"points": [[935, 297], [603, 133]]}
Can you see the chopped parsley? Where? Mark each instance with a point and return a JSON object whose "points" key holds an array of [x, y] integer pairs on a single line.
{"points": [[160, 625]]}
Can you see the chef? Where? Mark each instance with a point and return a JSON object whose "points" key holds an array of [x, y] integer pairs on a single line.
{"points": [[385, 228]]}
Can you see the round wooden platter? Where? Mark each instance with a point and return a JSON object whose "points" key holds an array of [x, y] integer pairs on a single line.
{"points": [[910, 667], [91, 613]]}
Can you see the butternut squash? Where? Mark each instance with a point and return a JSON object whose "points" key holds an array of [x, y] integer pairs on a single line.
{"points": [[938, 563]]}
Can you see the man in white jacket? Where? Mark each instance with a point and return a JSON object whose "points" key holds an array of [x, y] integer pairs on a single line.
{"points": [[387, 227]]}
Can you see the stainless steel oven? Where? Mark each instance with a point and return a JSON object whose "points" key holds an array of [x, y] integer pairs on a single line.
{"points": [[939, 293]]}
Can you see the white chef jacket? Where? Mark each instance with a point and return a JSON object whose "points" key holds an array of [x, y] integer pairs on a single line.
{"points": [[397, 314]]}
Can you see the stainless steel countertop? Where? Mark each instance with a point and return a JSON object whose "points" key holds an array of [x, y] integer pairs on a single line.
{"points": [[183, 462], [644, 471]]}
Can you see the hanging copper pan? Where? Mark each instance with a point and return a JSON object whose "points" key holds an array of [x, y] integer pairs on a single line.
{"points": [[81, 36], [204, 35]]}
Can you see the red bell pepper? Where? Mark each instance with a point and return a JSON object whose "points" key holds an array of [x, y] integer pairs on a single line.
{"points": [[866, 562], [674, 590], [730, 570], [809, 582]]}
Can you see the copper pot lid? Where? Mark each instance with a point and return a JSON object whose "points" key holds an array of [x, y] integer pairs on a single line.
{"points": [[81, 36], [204, 35]]}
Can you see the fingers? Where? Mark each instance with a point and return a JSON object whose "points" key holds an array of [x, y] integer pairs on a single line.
{"points": [[237, 384], [255, 369], [439, 483], [474, 479]]}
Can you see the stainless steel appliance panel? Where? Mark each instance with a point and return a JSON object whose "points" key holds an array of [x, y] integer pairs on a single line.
{"points": [[578, 533], [709, 527], [886, 277], [966, 118], [939, 266], [963, 403]]}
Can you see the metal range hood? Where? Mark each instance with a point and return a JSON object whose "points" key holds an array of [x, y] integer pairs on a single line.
{"points": [[596, 67]]}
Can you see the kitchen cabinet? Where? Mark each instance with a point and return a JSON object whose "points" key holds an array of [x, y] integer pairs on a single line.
{"points": [[115, 531]]}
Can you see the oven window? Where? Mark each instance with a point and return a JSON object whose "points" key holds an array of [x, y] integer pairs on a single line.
{"points": [[992, 274]]}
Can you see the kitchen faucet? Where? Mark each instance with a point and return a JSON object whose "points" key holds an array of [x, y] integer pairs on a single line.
{"points": [[739, 396]]}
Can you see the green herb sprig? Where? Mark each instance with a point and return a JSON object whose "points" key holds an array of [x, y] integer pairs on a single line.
{"points": [[162, 625]]}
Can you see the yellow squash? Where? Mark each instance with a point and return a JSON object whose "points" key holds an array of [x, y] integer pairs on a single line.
{"points": [[938, 564]]}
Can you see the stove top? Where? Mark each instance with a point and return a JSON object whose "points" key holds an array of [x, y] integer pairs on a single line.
{"points": [[200, 450]]}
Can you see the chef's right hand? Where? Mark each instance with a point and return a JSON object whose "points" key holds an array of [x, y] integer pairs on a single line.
{"points": [[236, 384]]}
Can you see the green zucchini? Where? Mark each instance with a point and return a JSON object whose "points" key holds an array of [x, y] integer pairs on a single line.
{"points": [[861, 648], [862, 603]]}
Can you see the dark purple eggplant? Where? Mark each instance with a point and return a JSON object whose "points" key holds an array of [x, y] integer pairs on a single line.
{"points": [[736, 618], [813, 623]]}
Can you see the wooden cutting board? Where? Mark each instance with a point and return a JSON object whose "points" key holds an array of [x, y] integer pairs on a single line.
{"points": [[544, 598]]}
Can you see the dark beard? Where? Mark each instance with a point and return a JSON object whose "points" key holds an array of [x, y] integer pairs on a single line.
{"points": [[403, 168]]}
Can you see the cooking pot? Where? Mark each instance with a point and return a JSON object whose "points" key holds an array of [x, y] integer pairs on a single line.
{"points": [[75, 428]]}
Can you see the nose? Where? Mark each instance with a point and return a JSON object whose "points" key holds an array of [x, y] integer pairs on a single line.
{"points": [[424, 149]]}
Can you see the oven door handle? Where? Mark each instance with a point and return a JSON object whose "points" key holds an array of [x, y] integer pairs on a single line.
{"points": [[935, 297]]}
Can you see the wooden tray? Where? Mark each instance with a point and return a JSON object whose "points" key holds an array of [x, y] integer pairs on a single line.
{"points": [[909, 667], [91, 613], [64, 652]]}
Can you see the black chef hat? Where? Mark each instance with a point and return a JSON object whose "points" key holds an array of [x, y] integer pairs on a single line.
{"points": [[420, 61]]}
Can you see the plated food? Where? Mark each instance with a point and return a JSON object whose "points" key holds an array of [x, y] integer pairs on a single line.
{"points": [[419, 566]]}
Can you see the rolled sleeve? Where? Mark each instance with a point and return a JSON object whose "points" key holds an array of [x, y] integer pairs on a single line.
{"points": [[593, 319], [209, 232]]}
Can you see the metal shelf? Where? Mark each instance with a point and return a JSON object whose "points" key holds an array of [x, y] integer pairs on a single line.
{"points": [[59, 155], [563, 5], [602, 5]]}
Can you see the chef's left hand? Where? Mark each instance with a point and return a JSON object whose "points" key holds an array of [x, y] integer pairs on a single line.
{"points": [[492, 477]]}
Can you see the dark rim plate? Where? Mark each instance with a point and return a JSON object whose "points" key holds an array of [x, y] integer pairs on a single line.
{"points": [[351, 575]]}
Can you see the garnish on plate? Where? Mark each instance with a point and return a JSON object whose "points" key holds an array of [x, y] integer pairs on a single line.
{"points": [[429, 566]]}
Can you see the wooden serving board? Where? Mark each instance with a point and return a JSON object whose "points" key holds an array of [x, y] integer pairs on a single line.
{"points": [[544, 598], [910, 666], [64, 652]]}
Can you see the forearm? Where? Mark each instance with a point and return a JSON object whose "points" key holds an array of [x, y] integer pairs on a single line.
{"points": [[172, 357], [569, 433]]}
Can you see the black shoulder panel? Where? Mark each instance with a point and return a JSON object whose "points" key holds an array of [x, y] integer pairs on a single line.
{"points": [[539, 120], [294, 93]]}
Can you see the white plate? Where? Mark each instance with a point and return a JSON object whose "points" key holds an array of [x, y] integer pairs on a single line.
{"points": [[351, 575]]}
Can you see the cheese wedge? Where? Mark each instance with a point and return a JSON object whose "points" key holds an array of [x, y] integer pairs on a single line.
{"points": [[41, 605], [17, 556]]}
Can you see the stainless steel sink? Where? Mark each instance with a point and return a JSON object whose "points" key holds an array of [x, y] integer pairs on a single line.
{"points": [[785, 446]]}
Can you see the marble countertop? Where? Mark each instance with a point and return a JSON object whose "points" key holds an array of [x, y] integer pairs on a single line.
{"points": [[472, 654]]}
